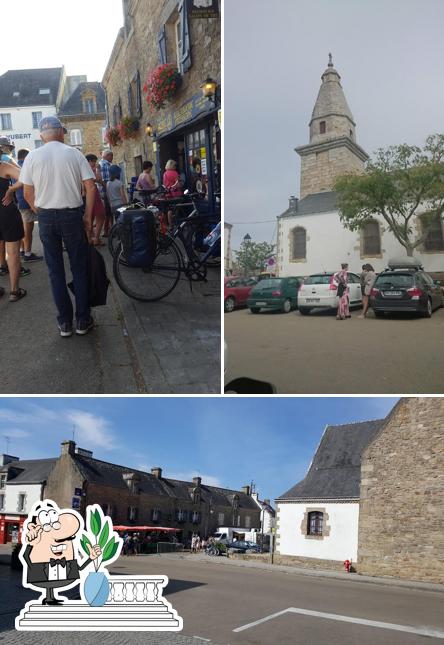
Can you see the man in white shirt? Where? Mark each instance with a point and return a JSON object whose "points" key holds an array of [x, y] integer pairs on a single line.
{"points": [[52, 178]]}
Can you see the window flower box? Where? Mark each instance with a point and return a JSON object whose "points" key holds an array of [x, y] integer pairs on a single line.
{"points": [[161, 85]]}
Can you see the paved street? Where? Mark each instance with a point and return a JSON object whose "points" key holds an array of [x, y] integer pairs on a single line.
{"points": [[219, 602], [317, 354], [172, 346]]}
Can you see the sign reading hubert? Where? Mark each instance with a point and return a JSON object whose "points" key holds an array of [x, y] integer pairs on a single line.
{"points": [[203, 8]]}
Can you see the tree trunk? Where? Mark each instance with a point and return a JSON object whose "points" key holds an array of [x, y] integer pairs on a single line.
{"points": [[409, 250]]}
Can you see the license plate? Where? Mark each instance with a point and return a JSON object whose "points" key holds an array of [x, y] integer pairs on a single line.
{"points": [[313, 300], [392, 293], [260, 304]]}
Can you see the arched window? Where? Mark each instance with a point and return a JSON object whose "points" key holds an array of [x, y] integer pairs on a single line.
{"points": [[298, 243], [75, 137], [371, 238], [434, 240], [322, 127], [315, 523]]}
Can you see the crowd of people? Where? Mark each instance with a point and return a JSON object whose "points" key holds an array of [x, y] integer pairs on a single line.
{"points": [[340, 278], [75, 199]]}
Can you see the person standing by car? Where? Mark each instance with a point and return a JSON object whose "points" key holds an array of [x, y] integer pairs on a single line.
{"points": [[341, 280], [369, 281]]}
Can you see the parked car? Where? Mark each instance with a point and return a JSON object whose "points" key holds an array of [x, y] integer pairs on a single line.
{"points": [[405, 287], [275, 293], [320, 291], [243, 546], [236, 292]]}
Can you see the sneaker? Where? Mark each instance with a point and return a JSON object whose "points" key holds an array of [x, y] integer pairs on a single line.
{"points": [[4, 269], [65, 330], [32, 257], [24, 272], [83, 326]]}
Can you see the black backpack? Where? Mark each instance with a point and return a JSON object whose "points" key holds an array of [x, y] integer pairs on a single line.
{"points": [[98, 282]]}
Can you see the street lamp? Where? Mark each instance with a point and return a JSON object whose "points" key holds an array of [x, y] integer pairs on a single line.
{"points": [[209, 87], [247, 238], [149, 130]]}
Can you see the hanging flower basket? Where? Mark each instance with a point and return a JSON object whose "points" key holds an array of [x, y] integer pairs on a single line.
{"points": [[161, 85], [112, 136], [129, 127]]}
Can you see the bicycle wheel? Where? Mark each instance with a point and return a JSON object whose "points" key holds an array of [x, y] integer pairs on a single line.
{"points": [[196, 234], [113, 239], [149, 285]]}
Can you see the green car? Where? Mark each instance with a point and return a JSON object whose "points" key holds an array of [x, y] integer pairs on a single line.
{"points": [[280, 294]]}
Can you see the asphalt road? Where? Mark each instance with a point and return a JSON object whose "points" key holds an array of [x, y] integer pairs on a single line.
{"points": [[317, 354], [217, 599], [171, 346]]}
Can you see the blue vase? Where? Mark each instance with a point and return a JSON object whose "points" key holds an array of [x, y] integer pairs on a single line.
{"points": [[96, 589]]}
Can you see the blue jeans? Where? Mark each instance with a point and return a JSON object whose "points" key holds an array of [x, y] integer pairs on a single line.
{"points": [[66, 226]]}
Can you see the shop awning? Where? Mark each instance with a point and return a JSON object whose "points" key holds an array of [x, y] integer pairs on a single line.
{"points": [[145, 528]]}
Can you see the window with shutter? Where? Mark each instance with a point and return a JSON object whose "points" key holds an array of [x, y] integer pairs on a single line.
{"points": [[371, 238], [161, 41], [434, 240], [185, 58], [75, 137], [299, 244], [138, 95]]}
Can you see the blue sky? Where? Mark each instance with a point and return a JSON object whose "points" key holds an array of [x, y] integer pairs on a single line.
{"points": [[228, 441]]}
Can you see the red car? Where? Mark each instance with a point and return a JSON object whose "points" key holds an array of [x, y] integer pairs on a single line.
{"points": [[236, 292]]}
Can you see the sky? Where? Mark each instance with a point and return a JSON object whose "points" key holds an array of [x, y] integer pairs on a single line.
{"points": [[389, 55], [228, 441], [50, 33]]}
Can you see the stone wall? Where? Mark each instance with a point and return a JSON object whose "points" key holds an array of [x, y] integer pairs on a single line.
{"points": [[138, 51], [320, 169], [91, 129], [401, 520], [292, 561]]}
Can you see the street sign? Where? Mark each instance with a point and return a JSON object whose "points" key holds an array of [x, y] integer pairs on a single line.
{"points": [[75, 503], [78, 492]]}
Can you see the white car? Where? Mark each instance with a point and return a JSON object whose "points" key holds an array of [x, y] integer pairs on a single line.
{"points": [[319, 290]]}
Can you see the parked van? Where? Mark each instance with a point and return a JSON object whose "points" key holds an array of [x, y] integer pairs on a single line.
{"points": [[280, 294]]}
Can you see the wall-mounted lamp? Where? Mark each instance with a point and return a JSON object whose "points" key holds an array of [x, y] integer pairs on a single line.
{"points": [[149, 130], [209, 88]]}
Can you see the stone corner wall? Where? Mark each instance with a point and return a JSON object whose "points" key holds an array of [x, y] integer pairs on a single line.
{"points": [[401, 518]]}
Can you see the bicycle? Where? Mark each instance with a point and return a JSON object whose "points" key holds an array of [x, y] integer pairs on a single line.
{"points": [[154, 282]]}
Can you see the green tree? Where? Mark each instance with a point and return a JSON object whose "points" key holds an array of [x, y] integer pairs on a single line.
{"points": [[402, 181], [252, 256]]}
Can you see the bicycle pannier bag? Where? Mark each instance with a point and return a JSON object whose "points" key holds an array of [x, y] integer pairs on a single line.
{"points": [[138, 237]]}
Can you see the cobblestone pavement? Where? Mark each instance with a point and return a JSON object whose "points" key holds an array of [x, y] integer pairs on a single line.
{"points": [[172, 346]]}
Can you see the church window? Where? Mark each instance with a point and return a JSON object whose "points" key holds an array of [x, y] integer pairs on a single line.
{"points": [[434, 240], [315, 523], [371, 238], [322, 127], [299, 243]]}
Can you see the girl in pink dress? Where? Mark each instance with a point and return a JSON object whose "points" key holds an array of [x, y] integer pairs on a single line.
{"points": [[341, 280]]}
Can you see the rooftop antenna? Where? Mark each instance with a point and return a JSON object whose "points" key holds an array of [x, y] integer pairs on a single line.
{"points": [[73, 431], [252, 486], [7, 440]]}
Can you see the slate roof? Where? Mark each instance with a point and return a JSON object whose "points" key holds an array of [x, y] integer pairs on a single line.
{"points": [[324, 202], [32, 471], [28, 82], [335, 472], [74, 104], [107, 474]]}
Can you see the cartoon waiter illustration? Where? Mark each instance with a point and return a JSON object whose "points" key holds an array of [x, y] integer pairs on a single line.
{"points": [[49, 556]]}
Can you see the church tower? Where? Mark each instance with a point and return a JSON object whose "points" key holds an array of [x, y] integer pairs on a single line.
{"points": [[332, 150]]}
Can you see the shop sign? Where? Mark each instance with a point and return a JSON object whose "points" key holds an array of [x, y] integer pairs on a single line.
{"points": [[203, 8], [198, 104], [20, 136]]}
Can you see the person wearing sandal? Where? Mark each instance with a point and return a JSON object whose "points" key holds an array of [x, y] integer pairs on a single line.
{"points": [[52, 176], [99, 212], [11, 229]]}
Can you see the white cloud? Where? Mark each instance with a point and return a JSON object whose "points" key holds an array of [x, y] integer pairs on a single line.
{"points": [[91, 429], [15, 433], [144, 467], [207, 480]]}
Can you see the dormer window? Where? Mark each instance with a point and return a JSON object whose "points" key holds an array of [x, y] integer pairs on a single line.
{"points": [[44, 90], [322, 127], [89, 104], [236, 502], [196, 496]]}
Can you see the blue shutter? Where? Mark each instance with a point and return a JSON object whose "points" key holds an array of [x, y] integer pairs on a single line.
{"points": [[130, 101], [138, 96], [161, 40], [185, 54]]}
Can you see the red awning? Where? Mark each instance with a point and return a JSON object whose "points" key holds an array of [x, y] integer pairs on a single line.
{"points": [[145, 528]]}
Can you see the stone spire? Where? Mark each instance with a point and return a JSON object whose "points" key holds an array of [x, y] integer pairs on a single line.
{"points": [[332, 149]]}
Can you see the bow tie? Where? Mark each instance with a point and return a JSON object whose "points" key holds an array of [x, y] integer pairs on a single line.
{"points": [[53, 562]]}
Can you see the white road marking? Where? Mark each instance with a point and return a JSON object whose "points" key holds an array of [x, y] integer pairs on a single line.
{"points": [[421, 631], [200, 638]]}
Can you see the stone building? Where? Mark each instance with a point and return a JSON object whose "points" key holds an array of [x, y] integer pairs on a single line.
{"points": [[401, 513], [133, 497], [157, 32], [22, 484], [374, 494], [83, 113], [310, 235]]}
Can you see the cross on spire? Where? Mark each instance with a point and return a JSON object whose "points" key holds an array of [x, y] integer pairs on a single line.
{"points": [[330, 60]]}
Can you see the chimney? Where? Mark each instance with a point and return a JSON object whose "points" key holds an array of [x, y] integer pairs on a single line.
{"points": [[267, 502], [68, 447], [6, 459], [157, 472], [197, 481], [293, 203], [246, 490]]}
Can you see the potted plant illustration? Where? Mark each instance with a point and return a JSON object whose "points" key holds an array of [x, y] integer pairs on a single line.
{"points": [[99, 531], [112, 136], [161, 85], [128, 127]]}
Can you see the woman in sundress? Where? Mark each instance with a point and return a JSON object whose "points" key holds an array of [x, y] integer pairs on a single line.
{"points": [[341, 281]]}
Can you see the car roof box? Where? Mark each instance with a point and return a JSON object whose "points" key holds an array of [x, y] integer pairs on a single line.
{"points": [[404, 263]]}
